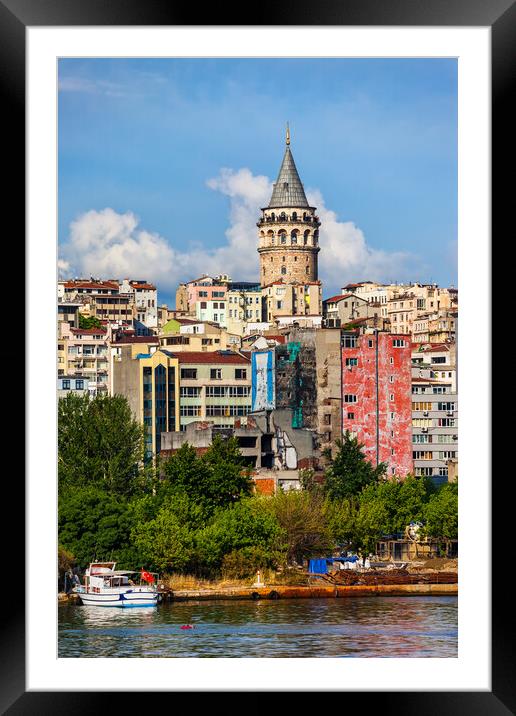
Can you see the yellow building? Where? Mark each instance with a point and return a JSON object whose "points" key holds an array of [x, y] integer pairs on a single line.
{"points": [[150, 382]]}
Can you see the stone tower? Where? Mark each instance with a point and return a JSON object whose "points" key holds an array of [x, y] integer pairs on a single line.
{"points": [[288, 230]]}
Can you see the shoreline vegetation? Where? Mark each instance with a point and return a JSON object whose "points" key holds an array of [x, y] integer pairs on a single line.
{"points": [[196, 520]]}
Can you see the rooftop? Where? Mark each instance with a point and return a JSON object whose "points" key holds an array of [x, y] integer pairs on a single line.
{"points": [[288, 190], [216, 357]]}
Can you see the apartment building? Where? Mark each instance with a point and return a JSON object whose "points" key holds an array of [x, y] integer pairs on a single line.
{"points": [[71, 384], [214, 386], [434, 425], [244, 306], [339, 310], [376, 396], [288, 303], [439, 358], [85, 354], [186, 334], [149, 378], [145, 300]]}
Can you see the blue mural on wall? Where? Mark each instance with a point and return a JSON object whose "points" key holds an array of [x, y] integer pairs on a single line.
{"points": [[262, 368]]}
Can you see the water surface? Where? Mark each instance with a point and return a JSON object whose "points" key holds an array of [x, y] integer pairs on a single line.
{"points": [[421, 626]]}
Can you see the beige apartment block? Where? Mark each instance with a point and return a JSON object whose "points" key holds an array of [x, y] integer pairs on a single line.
{"points": [[85, 354]]}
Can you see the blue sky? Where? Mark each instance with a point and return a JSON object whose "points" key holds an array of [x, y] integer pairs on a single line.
{"points": [[163, 164]]}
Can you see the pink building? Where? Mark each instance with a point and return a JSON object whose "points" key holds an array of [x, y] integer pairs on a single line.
{"points": [[376, 396]]}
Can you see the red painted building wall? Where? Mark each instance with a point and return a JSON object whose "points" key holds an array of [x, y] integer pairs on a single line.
{"points": [[377, 375]]}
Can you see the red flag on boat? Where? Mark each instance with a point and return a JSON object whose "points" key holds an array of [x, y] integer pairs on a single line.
{"points": [[147, 577]]}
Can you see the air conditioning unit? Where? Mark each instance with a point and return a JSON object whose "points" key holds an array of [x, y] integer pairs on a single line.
{"points": [[450, 413], [425, 413], [424, 430]]}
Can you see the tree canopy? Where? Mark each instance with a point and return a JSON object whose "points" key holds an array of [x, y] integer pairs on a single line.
{"points": [[349, 471], [99, 442], [215, 479], [86, 322]]}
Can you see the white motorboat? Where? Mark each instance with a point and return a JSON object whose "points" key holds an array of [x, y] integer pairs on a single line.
{"points": [[104, 586]]}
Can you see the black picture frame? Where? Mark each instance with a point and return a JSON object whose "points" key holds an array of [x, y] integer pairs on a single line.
{"points": [[500, 16]]}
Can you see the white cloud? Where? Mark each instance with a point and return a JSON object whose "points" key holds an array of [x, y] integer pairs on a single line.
{"points": [[108, 245], [345, 255]]}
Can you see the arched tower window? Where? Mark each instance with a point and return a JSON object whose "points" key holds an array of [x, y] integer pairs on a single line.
{"points": [[316, 237], [283, 216], [283, 270], [294, 216], [293, 237], [305, 236], [273, 216], [283, 237]]}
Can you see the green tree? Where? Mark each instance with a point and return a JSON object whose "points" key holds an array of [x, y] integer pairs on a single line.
{"points": [[217, 478], [442, 512], [163, 543], [99, 442], [96, 525], [86, 322], [349, 470], [302, 518], [238, 527], [402, 501], [340, 516]]}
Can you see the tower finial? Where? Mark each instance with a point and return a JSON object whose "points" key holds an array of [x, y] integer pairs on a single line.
{"points": [[288, 135]]}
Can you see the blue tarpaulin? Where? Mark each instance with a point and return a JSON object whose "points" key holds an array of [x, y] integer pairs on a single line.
{"points": [[320, 566], [317, 566]]}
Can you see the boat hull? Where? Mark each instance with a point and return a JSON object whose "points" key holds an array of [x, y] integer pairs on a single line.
{"points": [[119, 599]]}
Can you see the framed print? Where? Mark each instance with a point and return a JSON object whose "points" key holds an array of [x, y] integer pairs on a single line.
{"points": [[40, 43]]}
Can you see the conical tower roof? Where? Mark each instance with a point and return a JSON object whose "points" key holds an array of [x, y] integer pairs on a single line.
{"points": [[288, 190]]}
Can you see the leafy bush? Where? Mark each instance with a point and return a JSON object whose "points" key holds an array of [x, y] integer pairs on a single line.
{"points": [[244, 563]]}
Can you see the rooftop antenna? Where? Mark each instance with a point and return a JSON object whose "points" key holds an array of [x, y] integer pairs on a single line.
{"points": [[288, 135]]}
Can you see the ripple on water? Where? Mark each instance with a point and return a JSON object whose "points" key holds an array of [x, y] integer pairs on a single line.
{"points": [[361, 627]]}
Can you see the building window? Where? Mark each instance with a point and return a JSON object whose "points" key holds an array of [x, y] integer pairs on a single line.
{"points": [[351, 416], [189, 373], [240, 373], [79, 385], [190, 410], [398, 343], [449, 407], [350, 341], [66, 385], [215, 373], [370, 344], [391, 379], [351, 361], [391, 397], [283, 270], [349, 398], [190, 392]]}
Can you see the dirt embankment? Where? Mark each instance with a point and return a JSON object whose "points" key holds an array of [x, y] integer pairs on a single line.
{"points": [[437, 564]]}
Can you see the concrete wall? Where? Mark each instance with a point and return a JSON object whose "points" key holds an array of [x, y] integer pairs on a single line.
{"points": [[381, 382]]}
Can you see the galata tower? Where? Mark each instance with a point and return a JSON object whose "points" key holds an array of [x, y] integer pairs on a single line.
{"points": [[288, 230]]}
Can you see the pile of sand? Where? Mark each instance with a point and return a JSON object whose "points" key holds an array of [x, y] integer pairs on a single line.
{"points": [[437, 564]]}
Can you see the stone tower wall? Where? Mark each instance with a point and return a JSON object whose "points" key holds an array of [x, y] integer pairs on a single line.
{"points": [[288, 246]]}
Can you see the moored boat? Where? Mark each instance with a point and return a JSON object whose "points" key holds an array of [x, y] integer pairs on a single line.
{"points": [[104, 586]]}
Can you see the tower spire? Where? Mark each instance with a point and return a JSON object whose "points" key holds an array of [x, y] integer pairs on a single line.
{"points": [[288, 190]]}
